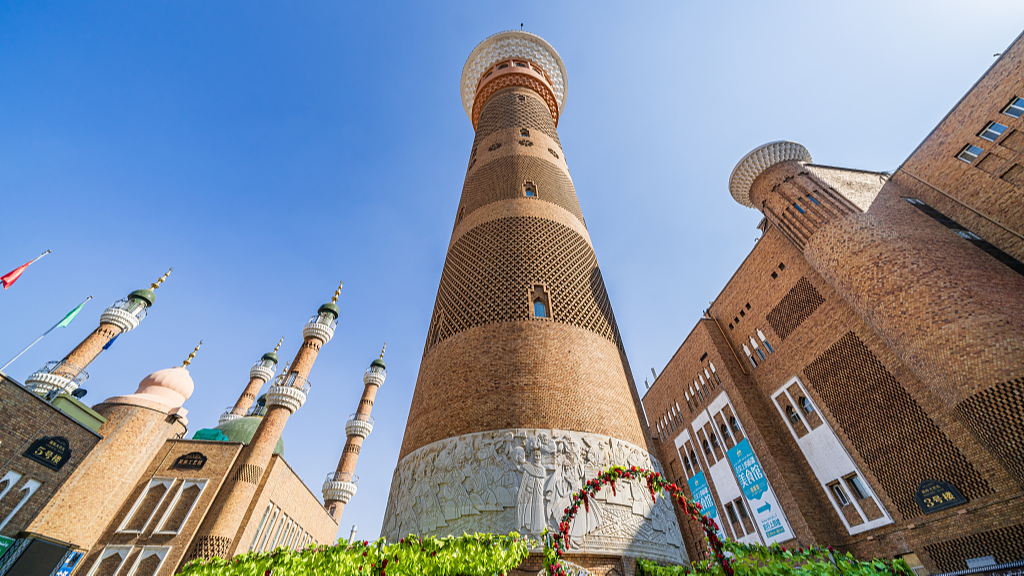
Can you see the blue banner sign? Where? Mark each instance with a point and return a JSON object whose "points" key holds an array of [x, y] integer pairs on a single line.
{"points": [[758, 493], [702, 495]]}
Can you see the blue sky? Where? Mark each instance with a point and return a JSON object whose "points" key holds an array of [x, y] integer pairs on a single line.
{"points": [[267, 150]]}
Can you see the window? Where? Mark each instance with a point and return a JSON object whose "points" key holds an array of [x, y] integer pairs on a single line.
{"points": [[749, 356], [27, 490], [522, 64], [707, 448], [748, 305], [742, 509], [714, 441], [792, 415], [992, 131], [146, 506], [798, 208], [732, 513], [181, 507], [686, 462], [735, 425], [765, 340], [715, 373], [530, 189], [1015, 109], [805, 405], [502, 66], [775, 275], [541, 306], [857, 487], [742, 314], [970, 153], [840, 495], [725, 432], [813, 201], [782, 266], [524, 133], [693, 458]]}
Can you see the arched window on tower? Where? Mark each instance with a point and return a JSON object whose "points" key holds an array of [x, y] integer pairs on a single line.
{"points": [[792, 415], [524, 132], [540, 305], [529, 189], [805, 405]]}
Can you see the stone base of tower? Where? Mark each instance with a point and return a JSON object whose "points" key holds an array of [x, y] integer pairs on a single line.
{"points": [[521, 480]]}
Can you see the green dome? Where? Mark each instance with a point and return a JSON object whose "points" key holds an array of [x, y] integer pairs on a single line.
{"points": [[378, 362], [271, 356], [242, 430], [148, 295], [330, 307]]}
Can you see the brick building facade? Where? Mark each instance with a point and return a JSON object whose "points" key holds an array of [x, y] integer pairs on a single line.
{"points": [[869, 352], [131, 495]]}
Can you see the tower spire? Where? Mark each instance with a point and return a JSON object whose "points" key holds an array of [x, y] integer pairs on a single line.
{"points": [[260, 373], [337, 293], [217, 535], [341, 485], [69, 374], [192, 355]]}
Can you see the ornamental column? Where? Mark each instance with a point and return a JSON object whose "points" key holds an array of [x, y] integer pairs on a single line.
{"points": [[341, 485], [260, 373], [67, 375], [288, 393]]}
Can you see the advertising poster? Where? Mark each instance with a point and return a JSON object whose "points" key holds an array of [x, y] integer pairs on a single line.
{"points": [[702, 495], [764, 506]]}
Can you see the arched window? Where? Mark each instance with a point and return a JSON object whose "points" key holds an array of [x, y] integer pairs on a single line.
{"points": [[765, 340], [693, 458], [714, 441], [749, 356], [756, 348], [530, 189], [725, 432], [524, 132], [805, 405], [735, 425], [707, 447], [793, 417], [686, 462], [539, 310]]}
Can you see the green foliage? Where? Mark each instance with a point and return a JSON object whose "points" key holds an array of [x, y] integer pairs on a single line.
{"points": [[651, 568], [756, 560], [469, 555]]}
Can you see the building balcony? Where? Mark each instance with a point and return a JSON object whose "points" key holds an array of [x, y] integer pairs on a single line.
{"points": [[358, 425], [340, 487], [374, 375], [290, 391], [227, 416], [261, 372], [57, 375], [320, 327], [126, 314]]}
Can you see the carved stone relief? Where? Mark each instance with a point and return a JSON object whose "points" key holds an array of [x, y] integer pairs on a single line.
{"points": [[522, 480]]}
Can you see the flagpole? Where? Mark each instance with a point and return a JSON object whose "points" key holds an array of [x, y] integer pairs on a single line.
{"points": [[40, 256], [2, 368]]}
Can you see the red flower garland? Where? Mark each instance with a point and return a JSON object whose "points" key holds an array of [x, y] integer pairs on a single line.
{"points": [[555, 546]]}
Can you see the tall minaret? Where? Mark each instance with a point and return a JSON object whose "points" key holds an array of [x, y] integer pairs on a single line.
{"points": [[341, 486], [216, 537], [122, 316], [524, 390], [260, 373]]}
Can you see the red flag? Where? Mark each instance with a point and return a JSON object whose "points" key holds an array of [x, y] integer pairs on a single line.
{"points": [[12, 276]]}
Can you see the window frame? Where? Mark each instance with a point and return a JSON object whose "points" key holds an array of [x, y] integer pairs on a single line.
{"points": [[857, 487], [837, 491], [968, 151], [1017, 104], [990, 128]]}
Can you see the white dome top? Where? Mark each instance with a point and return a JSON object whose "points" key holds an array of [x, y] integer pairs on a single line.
{"points": [[512, 44], [171, 386], [757, 161]]}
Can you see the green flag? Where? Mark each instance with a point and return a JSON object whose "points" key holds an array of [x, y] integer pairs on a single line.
{"points": [[71, 315]]}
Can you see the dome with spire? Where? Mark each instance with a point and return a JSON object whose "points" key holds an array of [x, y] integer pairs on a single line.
{"points": [[170, 386]]}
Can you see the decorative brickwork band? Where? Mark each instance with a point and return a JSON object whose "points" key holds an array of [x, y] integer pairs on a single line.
{"points": [[996, 417], [520, 480], [490, 269], [503, 178], [207, 547], [1005, 544], [514, 108], [878, 415], [795, 307], [510, 80], [248, 473]]}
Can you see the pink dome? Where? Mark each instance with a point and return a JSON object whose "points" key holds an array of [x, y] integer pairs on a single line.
{"points": [[170, 386]]}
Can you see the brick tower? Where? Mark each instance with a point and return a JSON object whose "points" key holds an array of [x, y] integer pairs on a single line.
{"points": [[341, 485], [524, 391], [67, 375], [260, 373], [220, 533]]}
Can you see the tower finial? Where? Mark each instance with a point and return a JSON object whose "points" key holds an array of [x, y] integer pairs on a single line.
{"points": [[160, 281], [192, 355], [337, 293], [278, 344], [382, 350]]}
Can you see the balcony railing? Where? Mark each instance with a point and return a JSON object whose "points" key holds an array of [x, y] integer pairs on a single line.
{"points": [[343, 477], [293, 380], [361, 418], [65, 370]]}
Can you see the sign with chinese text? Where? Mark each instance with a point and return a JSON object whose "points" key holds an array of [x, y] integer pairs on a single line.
{"points": [[5, 543], [763, 503], [935, 495], [71, 560], [702, 495], [190, 461], [50, 451]]}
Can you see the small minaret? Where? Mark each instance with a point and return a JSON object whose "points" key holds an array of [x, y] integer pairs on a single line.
{"points": [[122, 316], [341, 485], [216, 537], [260, 373]]}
